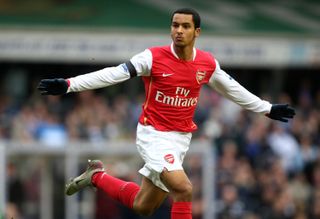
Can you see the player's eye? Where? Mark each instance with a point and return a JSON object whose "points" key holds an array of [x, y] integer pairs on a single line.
{"points": [[186, 26], [175, 25]]}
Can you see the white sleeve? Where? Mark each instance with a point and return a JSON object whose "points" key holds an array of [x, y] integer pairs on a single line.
{"points": [[231, 89], [98, 79], [142, 63], [112, 75]]}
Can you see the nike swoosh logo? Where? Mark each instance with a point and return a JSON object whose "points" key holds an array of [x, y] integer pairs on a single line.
{"points": [[166, 75]]}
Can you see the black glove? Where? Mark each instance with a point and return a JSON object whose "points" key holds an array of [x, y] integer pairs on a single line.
{"points": [[56, 86], [281, 112]]}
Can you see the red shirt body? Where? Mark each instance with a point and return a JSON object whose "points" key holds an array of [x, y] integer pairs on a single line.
{"points": [[173, 88]]}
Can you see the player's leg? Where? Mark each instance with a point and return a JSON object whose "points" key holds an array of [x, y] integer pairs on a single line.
{"points": [[163, 153], [180, 189], [96, 176], [143, 200], [149, 198], [178, 184]]}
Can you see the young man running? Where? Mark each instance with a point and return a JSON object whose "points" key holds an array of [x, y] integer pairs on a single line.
{"points": [[173, 76]]}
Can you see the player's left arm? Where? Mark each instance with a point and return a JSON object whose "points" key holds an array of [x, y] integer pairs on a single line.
{"points": [[231, 89]]}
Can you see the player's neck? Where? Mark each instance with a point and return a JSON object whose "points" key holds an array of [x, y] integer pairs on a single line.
{"points": [[184, 53]]}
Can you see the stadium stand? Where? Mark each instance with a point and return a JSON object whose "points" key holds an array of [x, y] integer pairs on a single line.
{"points": [[231, 16]]}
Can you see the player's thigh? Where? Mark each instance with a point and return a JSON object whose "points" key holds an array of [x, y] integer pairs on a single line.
{"points": [[177, 182], [149, 196]]}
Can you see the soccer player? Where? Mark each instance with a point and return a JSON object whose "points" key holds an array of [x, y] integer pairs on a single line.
{"points": [[172, 76]]}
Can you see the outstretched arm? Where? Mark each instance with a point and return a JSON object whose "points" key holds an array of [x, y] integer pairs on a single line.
{"points": [[231, 89], [94, 80], [139, 65]]}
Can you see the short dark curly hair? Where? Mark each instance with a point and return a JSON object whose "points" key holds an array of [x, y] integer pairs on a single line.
{"points": [[195, 15]]}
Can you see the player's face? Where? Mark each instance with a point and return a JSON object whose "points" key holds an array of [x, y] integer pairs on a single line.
{"points": [[183, 32]]}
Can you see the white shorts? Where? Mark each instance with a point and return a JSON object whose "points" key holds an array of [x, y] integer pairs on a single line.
{"points": [[161, 150]]}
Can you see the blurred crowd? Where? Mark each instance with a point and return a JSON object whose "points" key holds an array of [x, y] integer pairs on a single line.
{"points": [[264, 169]]}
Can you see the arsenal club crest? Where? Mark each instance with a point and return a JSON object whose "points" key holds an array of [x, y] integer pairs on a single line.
{"points": [[169, 158], [200, 75]]}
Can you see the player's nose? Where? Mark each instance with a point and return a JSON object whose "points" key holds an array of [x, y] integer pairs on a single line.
{"points": [[180, 29]]}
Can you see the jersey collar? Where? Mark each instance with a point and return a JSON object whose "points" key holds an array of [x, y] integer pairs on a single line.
{"points": [[175, 54]]}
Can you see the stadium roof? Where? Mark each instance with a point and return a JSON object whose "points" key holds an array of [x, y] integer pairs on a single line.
{"points": [[222, 17]]}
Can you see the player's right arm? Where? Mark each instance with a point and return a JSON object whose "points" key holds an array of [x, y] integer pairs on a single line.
{"points": [[139, 65]]}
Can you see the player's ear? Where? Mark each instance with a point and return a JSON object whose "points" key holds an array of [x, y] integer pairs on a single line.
{"points": [[197, 31]]}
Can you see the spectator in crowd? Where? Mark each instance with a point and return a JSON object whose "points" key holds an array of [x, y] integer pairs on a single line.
{"points": [[286, 147], [230, 206]]}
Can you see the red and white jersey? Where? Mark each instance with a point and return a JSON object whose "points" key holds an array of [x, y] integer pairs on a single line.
{"points": [[172, 86]]}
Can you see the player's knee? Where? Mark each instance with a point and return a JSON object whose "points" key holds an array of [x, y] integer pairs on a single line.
{"points": [[144, 210], [183, 192]]}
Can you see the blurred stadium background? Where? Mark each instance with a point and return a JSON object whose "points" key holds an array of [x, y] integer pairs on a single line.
{"points": [[243, 166]]}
